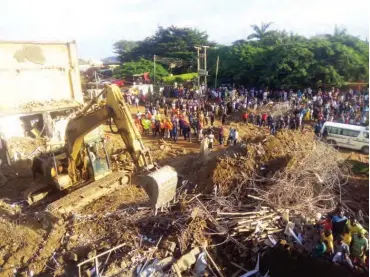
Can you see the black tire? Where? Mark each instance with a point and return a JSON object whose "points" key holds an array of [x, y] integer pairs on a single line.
{"points": [[365, 150], [331, 142]]}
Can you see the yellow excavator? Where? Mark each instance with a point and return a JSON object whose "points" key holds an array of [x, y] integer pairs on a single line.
{"points": [[82, 167]]}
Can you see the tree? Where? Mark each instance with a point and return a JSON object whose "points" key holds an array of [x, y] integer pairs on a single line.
{"points": [[139, 67], [260, 32], [273, 58], [172, 42], [124, 48]]}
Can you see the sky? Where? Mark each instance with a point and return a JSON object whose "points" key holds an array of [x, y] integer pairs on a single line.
{"points": [[96, 25]]}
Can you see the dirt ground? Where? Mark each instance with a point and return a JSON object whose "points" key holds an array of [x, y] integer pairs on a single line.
{"points": [[27, 246]]}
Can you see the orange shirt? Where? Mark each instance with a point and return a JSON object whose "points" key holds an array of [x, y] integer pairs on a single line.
{"points": [[168, 125]]}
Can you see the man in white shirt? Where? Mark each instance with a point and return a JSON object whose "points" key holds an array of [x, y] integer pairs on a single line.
{"points": [[265, 95], [285, 96], [236, 136], [211, 138]]}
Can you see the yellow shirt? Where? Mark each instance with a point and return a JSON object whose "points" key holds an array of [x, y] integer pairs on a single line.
{"points": [[355, 229], [328, 241], [347, 238]]}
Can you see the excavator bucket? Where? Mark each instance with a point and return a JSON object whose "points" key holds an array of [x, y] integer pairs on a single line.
{"points": [[160, 185]]}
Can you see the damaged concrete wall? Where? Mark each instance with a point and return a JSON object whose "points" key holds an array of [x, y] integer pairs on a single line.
{"points": [[38, 77]]}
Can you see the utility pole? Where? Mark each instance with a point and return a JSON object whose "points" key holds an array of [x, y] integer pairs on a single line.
{"points": [[154, 72], [205, 66], [198, 63], [218, 60]]}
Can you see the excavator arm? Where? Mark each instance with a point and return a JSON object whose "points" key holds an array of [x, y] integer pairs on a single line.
{"points": [[114, 108], [160, 185]]}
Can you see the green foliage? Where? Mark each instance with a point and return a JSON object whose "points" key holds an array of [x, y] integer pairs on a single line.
{"points": [[260, 32], [124, 48], [139, 67], [180, 79], [279, 59], [272, 58], [172, 42], [359, 168]]}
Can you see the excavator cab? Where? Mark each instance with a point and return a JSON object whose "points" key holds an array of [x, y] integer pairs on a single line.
{"points": [[97, 159]]}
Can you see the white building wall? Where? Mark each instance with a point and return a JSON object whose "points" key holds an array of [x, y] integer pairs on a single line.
{"points": [[38, 72]]}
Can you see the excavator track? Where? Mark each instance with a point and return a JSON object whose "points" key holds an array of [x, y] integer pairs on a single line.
{"points": [[84, 196]]}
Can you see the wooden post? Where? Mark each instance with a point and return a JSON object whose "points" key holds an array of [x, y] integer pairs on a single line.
{"points": [[96, 263]]}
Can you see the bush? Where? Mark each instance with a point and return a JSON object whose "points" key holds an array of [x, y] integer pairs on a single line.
{"points": [[182, 78]]}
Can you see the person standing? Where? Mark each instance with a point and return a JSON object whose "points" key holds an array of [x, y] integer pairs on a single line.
{"points": [[162, 126], [206, 115], [230, 139], [359, 246], [264, 119], [341, 253], [251, 118], [327, 238], [245, 117], [223, 119], [354, 226], [236, 136], [339, 221], [320, 248], [175, 126], [221, 135], [212, 117], [211, 138], [259, 120], [187, 131]]}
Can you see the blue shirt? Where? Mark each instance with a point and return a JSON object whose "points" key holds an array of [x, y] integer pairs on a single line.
{"points": [[337, 219]]}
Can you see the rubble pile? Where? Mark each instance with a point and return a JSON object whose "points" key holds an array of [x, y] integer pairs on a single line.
{"points": [[263, 158], [231, 209], [25, 148], [49, 105], [286, 171]]}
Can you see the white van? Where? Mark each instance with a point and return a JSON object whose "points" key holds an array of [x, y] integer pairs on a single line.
{"points": [[346, 136]]}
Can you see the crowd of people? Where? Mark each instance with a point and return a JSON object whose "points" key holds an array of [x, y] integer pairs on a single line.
{"points": [[338, 238], [193, 116], [341, 239]]}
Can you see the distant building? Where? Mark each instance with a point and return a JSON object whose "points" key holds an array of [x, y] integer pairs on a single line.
{"points": [[84, 65], [111, 62]]}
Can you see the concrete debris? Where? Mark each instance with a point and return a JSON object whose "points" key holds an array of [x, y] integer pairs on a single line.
{"points": [[73, 257], [186, 261], [201, 264], [234, 206]]}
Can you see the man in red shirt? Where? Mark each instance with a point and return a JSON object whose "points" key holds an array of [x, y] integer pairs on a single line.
{"points": [[264, 119], [245, 117]]}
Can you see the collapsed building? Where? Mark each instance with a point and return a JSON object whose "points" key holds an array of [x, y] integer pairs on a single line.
{"points": [[40, 88]]}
